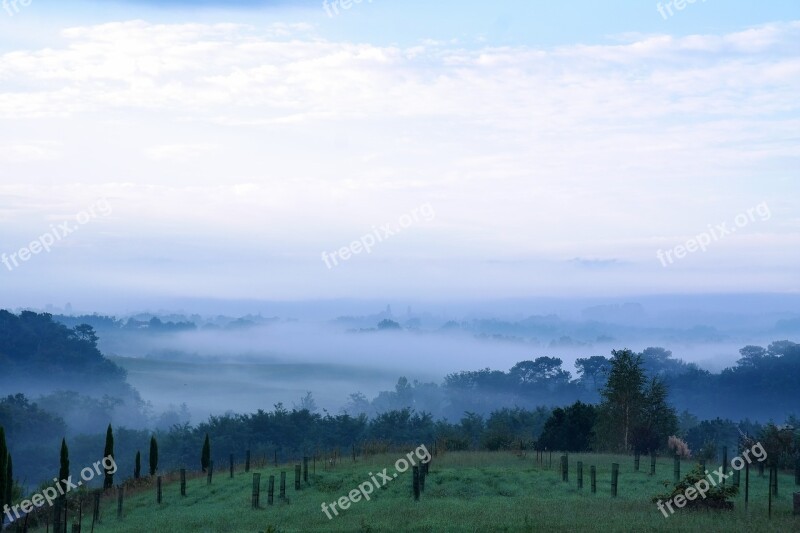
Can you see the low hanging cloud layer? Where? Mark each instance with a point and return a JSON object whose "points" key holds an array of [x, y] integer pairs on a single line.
{"points": [[228, 151]]}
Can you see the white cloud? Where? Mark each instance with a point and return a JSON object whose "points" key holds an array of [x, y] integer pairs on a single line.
{"points": [[275, 136]]}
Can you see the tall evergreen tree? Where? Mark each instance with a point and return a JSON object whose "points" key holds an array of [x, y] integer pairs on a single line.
{"points": [[153, 456], [205, 457], [63, 472], [108, 482], [137, 466], [3, 467], [623, 399]]}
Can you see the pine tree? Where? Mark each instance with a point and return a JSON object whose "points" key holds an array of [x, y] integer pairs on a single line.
{"points": [[108, 482], [205, 457], [137, 466], [153, 456], [63, 473], [3, 467]]}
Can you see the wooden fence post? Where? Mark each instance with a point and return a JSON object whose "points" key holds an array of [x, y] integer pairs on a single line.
{"points": [[96, 509], [276, 458], [593, 478], [796, 500], [210, 472], [183, 482], [247, 461], [422, 474], [271, 490], [636, 462], [614, 478], [415, 471], [158, 490], [297, 477], [580, 474], [653, 464], [283, 485], [57, 516], [231, 468], [775, 481], [305, 469], [677, 469], [724, 461], [769, 497], [256, 499], [797, 472], [120, 496], [746, 484]]}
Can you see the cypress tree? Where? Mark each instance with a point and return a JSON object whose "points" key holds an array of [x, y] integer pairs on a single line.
{"points": [[153, 456], [3, 467], [108, 482], [63, 472], [137, 466], [205, 457]]}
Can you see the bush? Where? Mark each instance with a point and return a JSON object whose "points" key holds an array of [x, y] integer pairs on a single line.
{"points": [[715, 498]]}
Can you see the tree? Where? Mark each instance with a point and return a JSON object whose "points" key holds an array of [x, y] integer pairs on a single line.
{"points": [[108, 481], [623, 398], [3, 467], [570, 429], [540, 370], [153, 456], [751, 356], [137, 466], [205, 457], [63, 472], [657, 420], [86, 333], [592, 368], [307, 402]]}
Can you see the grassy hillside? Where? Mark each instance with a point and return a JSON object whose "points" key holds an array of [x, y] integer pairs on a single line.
{"points": [[469, 492]]}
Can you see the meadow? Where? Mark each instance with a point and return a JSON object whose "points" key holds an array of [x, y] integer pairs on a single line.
{"points": [[464, 492]]}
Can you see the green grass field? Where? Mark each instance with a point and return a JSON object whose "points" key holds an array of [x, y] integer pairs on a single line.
{"points": [[470, 492]]}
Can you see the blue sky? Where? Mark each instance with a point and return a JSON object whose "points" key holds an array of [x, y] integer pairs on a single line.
{"points": [[562, 147]]}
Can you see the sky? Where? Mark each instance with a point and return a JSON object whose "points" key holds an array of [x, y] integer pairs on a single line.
{"points": [[441, 150]]}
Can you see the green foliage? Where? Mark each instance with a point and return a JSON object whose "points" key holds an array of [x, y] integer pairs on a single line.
{"points": [[717, 497], [634, 414], [63, 472], [108, 480], [570, 429], [153, 456], [205, 456]]}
